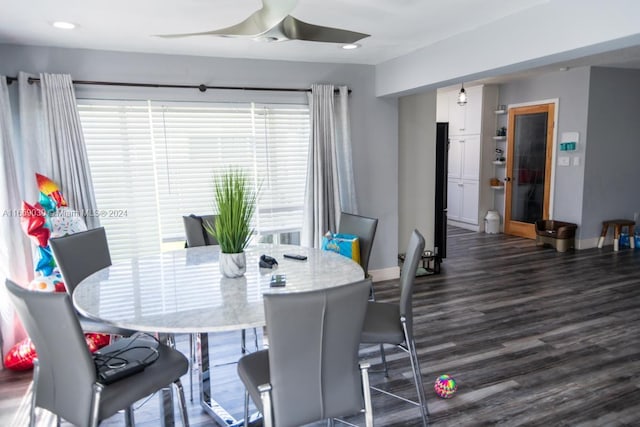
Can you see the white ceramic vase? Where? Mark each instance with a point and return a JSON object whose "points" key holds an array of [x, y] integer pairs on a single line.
{"points": [[233, 265]]}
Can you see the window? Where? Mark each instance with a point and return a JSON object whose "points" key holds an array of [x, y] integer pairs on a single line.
{"points": [[152, 163]]}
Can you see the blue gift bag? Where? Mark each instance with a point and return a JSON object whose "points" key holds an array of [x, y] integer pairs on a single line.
{"points": [[345, 244]]}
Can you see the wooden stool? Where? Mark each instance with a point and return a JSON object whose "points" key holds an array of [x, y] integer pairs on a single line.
{"points": [[617, 226]]}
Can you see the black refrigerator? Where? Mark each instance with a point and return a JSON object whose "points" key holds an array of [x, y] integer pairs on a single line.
{"points": [[442, 163]]}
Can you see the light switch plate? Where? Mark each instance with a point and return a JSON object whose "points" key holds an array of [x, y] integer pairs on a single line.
{"points": [[576, 161], [564, 161]]}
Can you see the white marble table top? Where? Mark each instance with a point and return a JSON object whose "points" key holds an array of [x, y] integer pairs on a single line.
{"points": [[183, 291]]}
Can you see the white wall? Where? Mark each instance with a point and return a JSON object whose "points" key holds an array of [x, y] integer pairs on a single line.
{"points": [[373, 121], [553, 31], [416, 167]]}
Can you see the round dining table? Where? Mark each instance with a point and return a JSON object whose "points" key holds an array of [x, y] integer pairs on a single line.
{"points": [[183, 291]]}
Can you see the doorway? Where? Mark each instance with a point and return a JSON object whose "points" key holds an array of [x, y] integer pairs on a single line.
{"points": [[529, 157]]}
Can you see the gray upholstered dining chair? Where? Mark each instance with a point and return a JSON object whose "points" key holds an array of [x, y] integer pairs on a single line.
{"points": [[363, 227], [195, 231], [78, 256], [65, 380], [310, 371], [392, 323]]}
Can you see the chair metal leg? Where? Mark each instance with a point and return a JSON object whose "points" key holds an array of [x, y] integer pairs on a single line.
{"points": [[129, 419], [265, 395], [243, 341], [34, 388], [192, 362], [95, 404], [384, 361], [182, 402], [366, 391], [246, 407], [372, 291], [255, 338], [417, 374]]}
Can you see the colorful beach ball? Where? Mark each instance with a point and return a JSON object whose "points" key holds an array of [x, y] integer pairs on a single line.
{"points": [[445, 386]]}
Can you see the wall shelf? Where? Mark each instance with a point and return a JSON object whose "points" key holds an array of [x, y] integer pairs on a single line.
{"points": [[500, 138], [498, 112], [498, 187], [499, 162]]}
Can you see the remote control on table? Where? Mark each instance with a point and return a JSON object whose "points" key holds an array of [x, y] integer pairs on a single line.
{"points": [[294, 256]]}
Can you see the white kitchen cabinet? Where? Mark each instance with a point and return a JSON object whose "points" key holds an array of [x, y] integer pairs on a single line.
{"points": [[471, 151], [454, 199], [469, 202], [464, 155], [462, 201], [470, 157], [455, 158], [465, 119]]}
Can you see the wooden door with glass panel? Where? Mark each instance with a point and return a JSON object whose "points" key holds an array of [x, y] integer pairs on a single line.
{"points": [[528, 180]]}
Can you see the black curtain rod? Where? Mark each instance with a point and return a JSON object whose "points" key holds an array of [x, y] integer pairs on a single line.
{"points": [[201, 88]]}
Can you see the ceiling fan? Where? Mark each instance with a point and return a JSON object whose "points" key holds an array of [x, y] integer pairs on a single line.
{"points": [[273, 23]]}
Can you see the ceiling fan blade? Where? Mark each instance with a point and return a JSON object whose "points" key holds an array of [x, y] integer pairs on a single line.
{"points": [[295, 29], [259, 22]]}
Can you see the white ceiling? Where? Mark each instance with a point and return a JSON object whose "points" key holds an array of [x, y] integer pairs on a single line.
{"points": [[397, 27]]}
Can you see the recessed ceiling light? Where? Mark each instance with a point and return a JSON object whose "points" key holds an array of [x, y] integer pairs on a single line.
{"points": [[64, 25], [564, 68], [350, 46]]}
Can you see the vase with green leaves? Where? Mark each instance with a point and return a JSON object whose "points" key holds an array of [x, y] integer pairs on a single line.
{"points": [[235, 199]]}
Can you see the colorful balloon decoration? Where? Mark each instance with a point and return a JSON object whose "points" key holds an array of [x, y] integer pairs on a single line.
{"points": [[49, 217], [50, 189], [20, 356], [65, 222]]}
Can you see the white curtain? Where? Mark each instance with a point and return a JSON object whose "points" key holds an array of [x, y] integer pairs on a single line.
{"points": [[49, 141], [346, 183], [330, 184], [15, 249], [69, 163]]}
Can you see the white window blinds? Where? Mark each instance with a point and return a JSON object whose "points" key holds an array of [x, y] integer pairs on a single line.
{"points": [[152, 164]]}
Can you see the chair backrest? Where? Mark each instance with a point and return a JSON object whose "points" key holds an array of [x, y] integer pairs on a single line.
{"points": [[313, 352], [195, 231], [415, 249], [81, 254], [365, 229], [66, 370]]}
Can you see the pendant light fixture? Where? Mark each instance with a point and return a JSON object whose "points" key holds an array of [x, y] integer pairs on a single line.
{"points": [[462, 96]]}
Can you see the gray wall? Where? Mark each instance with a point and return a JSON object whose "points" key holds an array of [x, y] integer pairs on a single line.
{"points": [[373, 121], [416, 167], [571, 88], [612, 164]]}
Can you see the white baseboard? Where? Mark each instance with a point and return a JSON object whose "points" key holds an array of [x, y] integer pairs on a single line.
{"points": [[464, 225], [591, 243], [385, 274]]}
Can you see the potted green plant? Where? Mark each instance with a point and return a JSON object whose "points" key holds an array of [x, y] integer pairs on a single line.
{"points": [[236, 201]]}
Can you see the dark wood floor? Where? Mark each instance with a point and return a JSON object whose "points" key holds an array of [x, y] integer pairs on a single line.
{"points": [[532, 336]]}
